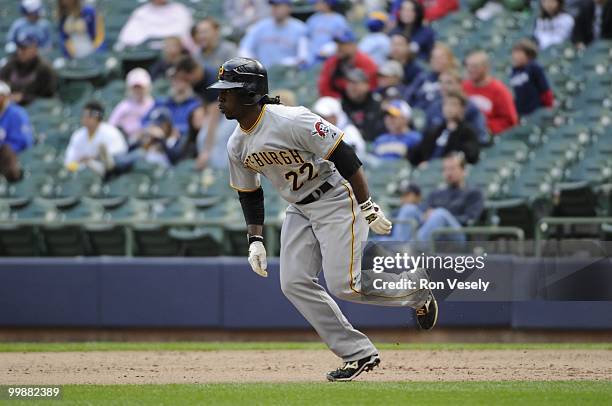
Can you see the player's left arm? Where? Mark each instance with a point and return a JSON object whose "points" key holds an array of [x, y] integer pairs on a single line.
{"points": [[312, 133], [350, 167]]}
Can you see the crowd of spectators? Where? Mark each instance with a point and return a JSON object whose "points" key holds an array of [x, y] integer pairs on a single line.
{"points": [[370, 85]]}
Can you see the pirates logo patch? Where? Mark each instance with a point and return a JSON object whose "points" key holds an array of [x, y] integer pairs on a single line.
{"points": [[322, 130]]}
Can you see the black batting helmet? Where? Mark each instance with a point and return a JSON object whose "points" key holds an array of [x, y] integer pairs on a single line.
{"points": [[243, 73]]}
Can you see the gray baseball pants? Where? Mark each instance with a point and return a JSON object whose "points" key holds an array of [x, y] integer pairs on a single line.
{"points": [[327, 235]]}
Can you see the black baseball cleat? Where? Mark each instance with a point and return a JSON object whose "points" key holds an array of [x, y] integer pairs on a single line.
{"points": [[350, 370], [427, 315]]}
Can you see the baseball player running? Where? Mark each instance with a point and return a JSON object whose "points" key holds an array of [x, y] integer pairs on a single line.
{"points": [[329, 211]]}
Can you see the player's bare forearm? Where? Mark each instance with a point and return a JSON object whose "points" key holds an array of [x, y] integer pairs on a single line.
{"points": [[255, 229], [360, 186]]}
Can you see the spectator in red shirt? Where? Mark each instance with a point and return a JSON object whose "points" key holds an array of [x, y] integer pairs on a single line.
{"points": [[434, 9], [332, 81], [489, 94]]}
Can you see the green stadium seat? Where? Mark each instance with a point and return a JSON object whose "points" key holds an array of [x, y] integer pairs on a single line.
{"points": [[106, 238], [75, 91], [21, 193], [198, 242], [196, 239], [575, 199], [92, 68], [153, 240], [61, 239], [70, 187], [126, 185], [18, 239]]}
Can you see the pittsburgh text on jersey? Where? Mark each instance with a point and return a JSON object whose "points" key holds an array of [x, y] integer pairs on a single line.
{"points": [[258, 160]]}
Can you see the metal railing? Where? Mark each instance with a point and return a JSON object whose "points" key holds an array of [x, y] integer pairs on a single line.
{"points": [[488, 231], [131, 224], [542, 225]]}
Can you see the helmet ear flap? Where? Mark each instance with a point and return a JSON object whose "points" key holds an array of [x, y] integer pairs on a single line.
{"points": [[249, 92], [248, 95]]}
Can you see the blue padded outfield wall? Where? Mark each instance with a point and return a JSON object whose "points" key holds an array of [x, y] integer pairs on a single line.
{"points": [[225, 293]]}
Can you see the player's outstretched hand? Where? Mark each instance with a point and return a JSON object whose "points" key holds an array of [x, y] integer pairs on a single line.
{"points": [[257, 258], [375, 217]]}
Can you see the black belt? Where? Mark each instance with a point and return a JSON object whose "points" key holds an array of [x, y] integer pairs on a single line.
{"points": [[316, 194]]}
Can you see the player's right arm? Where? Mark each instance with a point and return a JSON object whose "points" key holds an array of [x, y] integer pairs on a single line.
{"points": [[246, 182]]}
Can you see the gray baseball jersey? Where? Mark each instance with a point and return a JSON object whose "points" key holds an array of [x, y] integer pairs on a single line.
{"points": [[290, 146], [287, 145]]}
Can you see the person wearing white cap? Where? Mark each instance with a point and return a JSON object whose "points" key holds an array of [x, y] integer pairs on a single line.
{"points": [[15, 128], [399, 138], [32, 20], [331, 110], [390, 80], [129, 113]]}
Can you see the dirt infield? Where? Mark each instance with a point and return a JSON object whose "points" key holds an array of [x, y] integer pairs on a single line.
{"points": [[140, 367]]}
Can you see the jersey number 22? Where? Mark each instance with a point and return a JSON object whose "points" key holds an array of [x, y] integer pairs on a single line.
{"points": [[294, 176]]}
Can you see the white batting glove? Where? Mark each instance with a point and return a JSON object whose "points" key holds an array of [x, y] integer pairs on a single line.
{"points": [[375, 217], [257, 258]]}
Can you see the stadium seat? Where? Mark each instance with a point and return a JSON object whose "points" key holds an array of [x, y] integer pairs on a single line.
{"points": [[152, 240], [106, 238], [20, 193], [75, 91], [93, 68], [575, 199], [198, 242], [514, 212], [62, 239], [19, 239]]}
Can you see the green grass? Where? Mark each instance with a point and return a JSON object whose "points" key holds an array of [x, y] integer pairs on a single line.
{"points": [[354, 393], [218, 346]]}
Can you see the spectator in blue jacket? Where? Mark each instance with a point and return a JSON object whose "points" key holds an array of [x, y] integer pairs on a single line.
{"points": [[410, 22], [401, 52], [160, 143], [15, 128], [399, 138], [528, 80], [376, 44], [277, 40], [31, 21], [323, 26], [450, 81], [425, 88], [454, 206], [182, 104], [81, 29]]}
